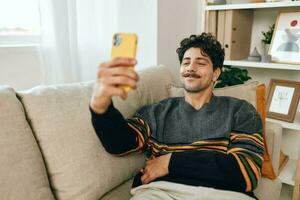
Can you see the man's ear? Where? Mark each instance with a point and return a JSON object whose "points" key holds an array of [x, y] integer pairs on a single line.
{"points": [[216, 74]]}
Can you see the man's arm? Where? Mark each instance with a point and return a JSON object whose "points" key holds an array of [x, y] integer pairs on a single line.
{"points": [[117, 135], [113, 131], [238, 168]]}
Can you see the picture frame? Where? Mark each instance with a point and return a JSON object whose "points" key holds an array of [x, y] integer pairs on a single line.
{"points": [[283, 99], [285, 44]]}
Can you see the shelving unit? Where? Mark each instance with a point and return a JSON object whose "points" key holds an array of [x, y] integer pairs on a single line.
{"points": [[292, 126], [287, 174], [253, 5], [264, 16], [242, 63], [288, 177], [261, 7]]}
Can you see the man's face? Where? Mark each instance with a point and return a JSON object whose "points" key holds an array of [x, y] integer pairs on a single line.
{"points": [[196, 71]]}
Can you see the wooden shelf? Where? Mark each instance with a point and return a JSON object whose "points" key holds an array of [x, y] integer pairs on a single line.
{"points": [[292, 126], [252, 5], [241, 63], [288, 172]]}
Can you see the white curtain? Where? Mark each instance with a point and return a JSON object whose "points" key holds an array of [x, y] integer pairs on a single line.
{"points": [[75, 38]]}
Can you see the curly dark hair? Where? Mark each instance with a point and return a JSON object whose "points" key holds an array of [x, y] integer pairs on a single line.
{"points": [[209, 46]]}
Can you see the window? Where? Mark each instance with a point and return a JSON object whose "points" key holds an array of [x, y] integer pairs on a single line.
{"points": [[19, 22]]}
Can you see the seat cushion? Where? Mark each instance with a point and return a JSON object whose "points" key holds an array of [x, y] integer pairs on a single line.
{"points": [[22, 170], [122, 192]]}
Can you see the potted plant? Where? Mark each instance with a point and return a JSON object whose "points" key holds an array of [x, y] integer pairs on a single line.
{"points": [[267, 38], [232, 76]]}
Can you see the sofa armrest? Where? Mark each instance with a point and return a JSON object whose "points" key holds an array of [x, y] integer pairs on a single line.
{"points": [[273, 137]]}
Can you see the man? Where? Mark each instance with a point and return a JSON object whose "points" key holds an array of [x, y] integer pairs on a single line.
{"points": [[199, 146]]}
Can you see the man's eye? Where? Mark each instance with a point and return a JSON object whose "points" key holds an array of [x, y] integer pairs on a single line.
{"points": [[185, 64], [201, 64]]}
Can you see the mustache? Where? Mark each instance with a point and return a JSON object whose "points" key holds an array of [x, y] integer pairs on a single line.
{"points": [[193, 75]]}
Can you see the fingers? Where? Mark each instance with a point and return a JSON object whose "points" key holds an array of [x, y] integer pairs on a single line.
{"points": [[119, 80], [149, 174], [117, 71], [118, 76], [115, 91], [146, 178], [118, 61]]}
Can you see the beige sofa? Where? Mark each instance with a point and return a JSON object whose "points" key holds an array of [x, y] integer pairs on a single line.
{"points": [[49, 149]]}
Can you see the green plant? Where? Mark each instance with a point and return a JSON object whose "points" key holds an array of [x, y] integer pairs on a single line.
{"points": [[268, 35], [232, 76]]}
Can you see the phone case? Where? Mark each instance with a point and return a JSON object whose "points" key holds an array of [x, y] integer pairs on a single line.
{"points": [[124, 45]]}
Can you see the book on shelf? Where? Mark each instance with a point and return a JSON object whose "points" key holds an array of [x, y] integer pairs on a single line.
{"points": [[233, 30], [221, 26], [211, 23]]}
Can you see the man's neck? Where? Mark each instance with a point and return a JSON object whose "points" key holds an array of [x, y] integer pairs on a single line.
{"points": [[197, 100]]}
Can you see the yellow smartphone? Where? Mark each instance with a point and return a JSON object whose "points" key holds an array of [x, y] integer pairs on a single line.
{"points": [[124, 45]]}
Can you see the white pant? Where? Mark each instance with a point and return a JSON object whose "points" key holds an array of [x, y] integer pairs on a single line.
{"points": [[169, 191]]}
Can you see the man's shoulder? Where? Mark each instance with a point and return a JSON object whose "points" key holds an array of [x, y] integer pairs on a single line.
{"points": [[232, 100], [235, 104], [160, 105]]}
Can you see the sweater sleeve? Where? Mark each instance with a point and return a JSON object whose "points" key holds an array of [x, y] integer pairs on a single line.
{"points": [[120, 136], [238, 168]]}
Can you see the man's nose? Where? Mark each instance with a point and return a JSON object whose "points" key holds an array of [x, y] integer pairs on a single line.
{"points": [[190, 70], [191, 67]]}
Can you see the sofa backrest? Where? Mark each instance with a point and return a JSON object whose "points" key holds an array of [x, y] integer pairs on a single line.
{"points": [[22, 170], [77, 164]]}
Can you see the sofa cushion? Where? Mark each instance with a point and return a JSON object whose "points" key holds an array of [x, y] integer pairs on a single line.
{"points": [[78, 166], [122, 192], [22, 169], [268, 189], [254, 93]]}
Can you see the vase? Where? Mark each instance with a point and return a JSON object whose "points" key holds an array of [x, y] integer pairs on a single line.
{"points": [[266, 57]]}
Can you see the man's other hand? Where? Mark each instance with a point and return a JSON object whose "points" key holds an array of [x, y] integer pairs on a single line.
{"points": [[155, 168], [110, 76]]}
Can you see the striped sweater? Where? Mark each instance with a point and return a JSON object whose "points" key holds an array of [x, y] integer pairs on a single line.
{"points": [[218, 146]]}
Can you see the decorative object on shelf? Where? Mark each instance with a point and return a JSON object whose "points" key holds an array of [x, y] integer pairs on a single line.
{"points": [[235, 1], [282, 161], [216, 2], [273, 0], [232, 76], [282, 100], [257, 1], [285, 45], [267, 38], [254, 56]]}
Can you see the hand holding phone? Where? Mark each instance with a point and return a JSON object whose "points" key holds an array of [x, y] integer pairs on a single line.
{"points": [[117, 76]]}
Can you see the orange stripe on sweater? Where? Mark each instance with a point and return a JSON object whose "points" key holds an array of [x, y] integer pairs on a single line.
{"points": [[244, 172]]}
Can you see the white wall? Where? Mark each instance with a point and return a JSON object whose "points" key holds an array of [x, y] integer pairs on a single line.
{"points": [[140, 17], [20, 67], [177, 19]]}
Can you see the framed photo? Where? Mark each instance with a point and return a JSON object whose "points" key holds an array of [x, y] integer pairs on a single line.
{"points": [[283, 99], [285, 45]]}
